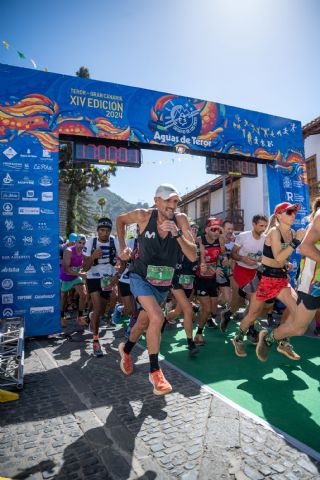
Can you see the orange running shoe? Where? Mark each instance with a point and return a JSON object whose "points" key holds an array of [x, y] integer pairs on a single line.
{"points": [[126, 364], [160, 385]]}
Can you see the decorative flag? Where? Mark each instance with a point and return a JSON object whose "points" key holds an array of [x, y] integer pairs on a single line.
{"points": [[21, 55], [33, 63], [6, 44]]}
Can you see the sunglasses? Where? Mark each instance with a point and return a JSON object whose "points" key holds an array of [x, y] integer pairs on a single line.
{"points": [[290, 211], [215, 229]]}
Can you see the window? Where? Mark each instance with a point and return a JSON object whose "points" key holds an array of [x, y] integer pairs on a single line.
{"points": [[311, 165]]}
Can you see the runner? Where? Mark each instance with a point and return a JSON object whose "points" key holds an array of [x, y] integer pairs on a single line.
{"points": [[280, 242], [247, 252], [308, 288], [72, 277], [163, 233], [223, 280], [211, 246], [182, 289], [99, 263]]}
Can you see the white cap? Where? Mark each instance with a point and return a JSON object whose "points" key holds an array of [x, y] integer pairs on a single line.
{"points": [[166, 191]]}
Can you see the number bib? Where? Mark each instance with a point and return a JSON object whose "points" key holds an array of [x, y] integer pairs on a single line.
{"points": [[186, 281], [105, 283], [160, 276]]}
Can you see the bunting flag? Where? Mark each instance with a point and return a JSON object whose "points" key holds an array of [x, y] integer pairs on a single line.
{"points": [[22, 56]]}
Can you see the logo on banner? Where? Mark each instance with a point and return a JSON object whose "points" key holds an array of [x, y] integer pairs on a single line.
{"points": [[12, 166], [9, 241], [7, 298], [45, 181], [42, 226], [42, 167], [26, 283], [49, 309], [10, 195], [29, 269], [10, 270], [45, 297], [181, 117], [26, 225], [46, 153], [7, 179], [47, 196], [15, 256], [30, 196], [42, 255], [10, 152], [47, 282], [24, 297], [46, 267], [28, 154], [9, 225], [27, 241], [26, 181], [44, 241], [7, 208], [7, 312], [7, 283], [29, 211], [47, 211]]}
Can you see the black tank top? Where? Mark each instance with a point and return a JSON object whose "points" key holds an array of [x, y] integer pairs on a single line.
{"points": [[154, 250], [267, 250]]}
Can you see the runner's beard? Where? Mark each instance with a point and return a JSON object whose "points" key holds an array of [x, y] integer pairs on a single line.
{"points": [[168, 214]]}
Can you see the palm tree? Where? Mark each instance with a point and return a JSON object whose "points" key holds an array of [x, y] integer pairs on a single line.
{"points": [[102, 203]]}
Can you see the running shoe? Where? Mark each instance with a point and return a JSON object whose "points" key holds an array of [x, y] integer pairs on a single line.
{"points": [[286, 349], [195, 307], [126, 364], [238, 347], [199, 340], [193, 350], [262, 348], [252, 335], [211, 323], [160, 385], [97, 351], [225, 320]]}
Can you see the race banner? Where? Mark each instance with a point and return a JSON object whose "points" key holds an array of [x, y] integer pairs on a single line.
{"points": [[39, 108]]}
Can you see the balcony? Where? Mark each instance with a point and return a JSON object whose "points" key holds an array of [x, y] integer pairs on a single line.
{"points": [[235, 216]]}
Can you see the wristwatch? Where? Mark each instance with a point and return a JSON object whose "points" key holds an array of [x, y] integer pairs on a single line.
{"points": [[179, 233]]}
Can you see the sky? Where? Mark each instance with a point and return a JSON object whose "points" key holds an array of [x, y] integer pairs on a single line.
{"points": [[259, 55]]}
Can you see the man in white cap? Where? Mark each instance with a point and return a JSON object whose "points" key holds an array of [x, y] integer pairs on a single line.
{"points": [[163, 235]]}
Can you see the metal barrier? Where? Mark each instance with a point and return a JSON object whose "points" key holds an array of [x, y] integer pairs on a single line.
{"points": [[11, 352]]}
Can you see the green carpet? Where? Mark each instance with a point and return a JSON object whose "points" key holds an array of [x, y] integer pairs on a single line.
{"points": [[282, 392]]}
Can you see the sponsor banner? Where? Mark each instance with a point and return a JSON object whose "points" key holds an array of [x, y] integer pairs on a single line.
{"points": [[29, 254], [287, 182]]}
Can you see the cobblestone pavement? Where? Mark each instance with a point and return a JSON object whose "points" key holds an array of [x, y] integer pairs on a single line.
{"points": [[79, 417]]}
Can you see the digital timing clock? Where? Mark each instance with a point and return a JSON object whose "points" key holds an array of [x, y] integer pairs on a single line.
{"points": [[106, 154]]}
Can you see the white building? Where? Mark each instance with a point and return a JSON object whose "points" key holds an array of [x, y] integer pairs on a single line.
{"points": [[311, 135]]}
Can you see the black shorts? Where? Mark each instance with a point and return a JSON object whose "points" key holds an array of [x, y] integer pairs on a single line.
{"points": [[310, 302], [187, 291], [225, 283], [206, 287], [124, 289], [94, 285]]}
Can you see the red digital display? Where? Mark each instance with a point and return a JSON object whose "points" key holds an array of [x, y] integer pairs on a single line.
{"points": [[106, 154]]}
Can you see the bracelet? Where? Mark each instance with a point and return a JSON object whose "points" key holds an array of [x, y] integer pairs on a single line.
{"points": [[294, 243]]}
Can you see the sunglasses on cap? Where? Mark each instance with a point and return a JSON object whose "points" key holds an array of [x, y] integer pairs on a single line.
{"points": [[290, 211]]}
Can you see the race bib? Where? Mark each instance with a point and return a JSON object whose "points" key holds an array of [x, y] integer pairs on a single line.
{"points": [[160, 276], [76, 269], [186, 281], [105, 283]]}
